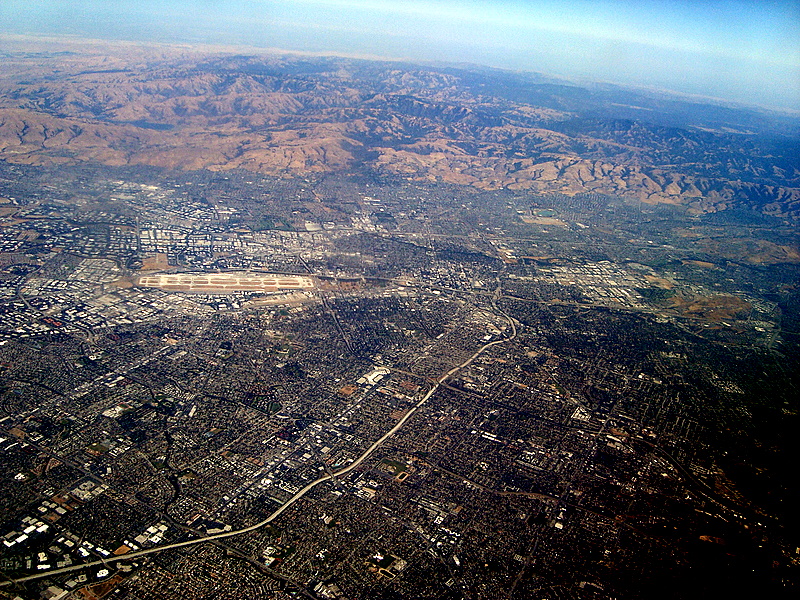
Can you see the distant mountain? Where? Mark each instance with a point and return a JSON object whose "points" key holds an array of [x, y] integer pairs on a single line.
{"points": [[296, 115]]}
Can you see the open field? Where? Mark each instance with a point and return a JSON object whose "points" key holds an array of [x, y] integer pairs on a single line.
{"points": [[155, 262], [216, 283]]}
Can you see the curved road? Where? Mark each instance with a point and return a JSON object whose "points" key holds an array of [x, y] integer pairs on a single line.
{"points": [[290, 501]]}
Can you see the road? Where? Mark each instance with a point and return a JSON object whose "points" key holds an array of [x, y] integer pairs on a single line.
{"points": [[281, 509]]}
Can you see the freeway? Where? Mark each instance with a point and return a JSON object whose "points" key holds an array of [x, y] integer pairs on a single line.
{"points": [[302, 492]]}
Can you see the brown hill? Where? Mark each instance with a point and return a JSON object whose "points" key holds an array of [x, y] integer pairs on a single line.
{"points": [[179, 108]]}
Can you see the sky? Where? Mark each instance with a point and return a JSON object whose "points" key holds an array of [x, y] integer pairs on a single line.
{"points": [[739, 50]]}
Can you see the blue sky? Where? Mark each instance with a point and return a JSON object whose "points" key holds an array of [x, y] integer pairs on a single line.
{"points": [[741, 50]]}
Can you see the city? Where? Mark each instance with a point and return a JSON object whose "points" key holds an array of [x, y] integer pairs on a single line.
{"points": [[281, 326], [530, 393]]}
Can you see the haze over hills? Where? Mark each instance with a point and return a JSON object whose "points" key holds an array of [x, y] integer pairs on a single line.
{"points": [[277, 325], [124, 104]]}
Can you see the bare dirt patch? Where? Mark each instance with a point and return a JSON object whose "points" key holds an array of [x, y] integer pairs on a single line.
{"points": [[156, 262], [712, 308]]}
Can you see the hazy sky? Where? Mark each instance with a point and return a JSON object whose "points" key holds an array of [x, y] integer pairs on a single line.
{"points": [[744, 50]]}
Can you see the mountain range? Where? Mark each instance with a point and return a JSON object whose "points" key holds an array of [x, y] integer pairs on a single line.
{"points": [[296, 115]]}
